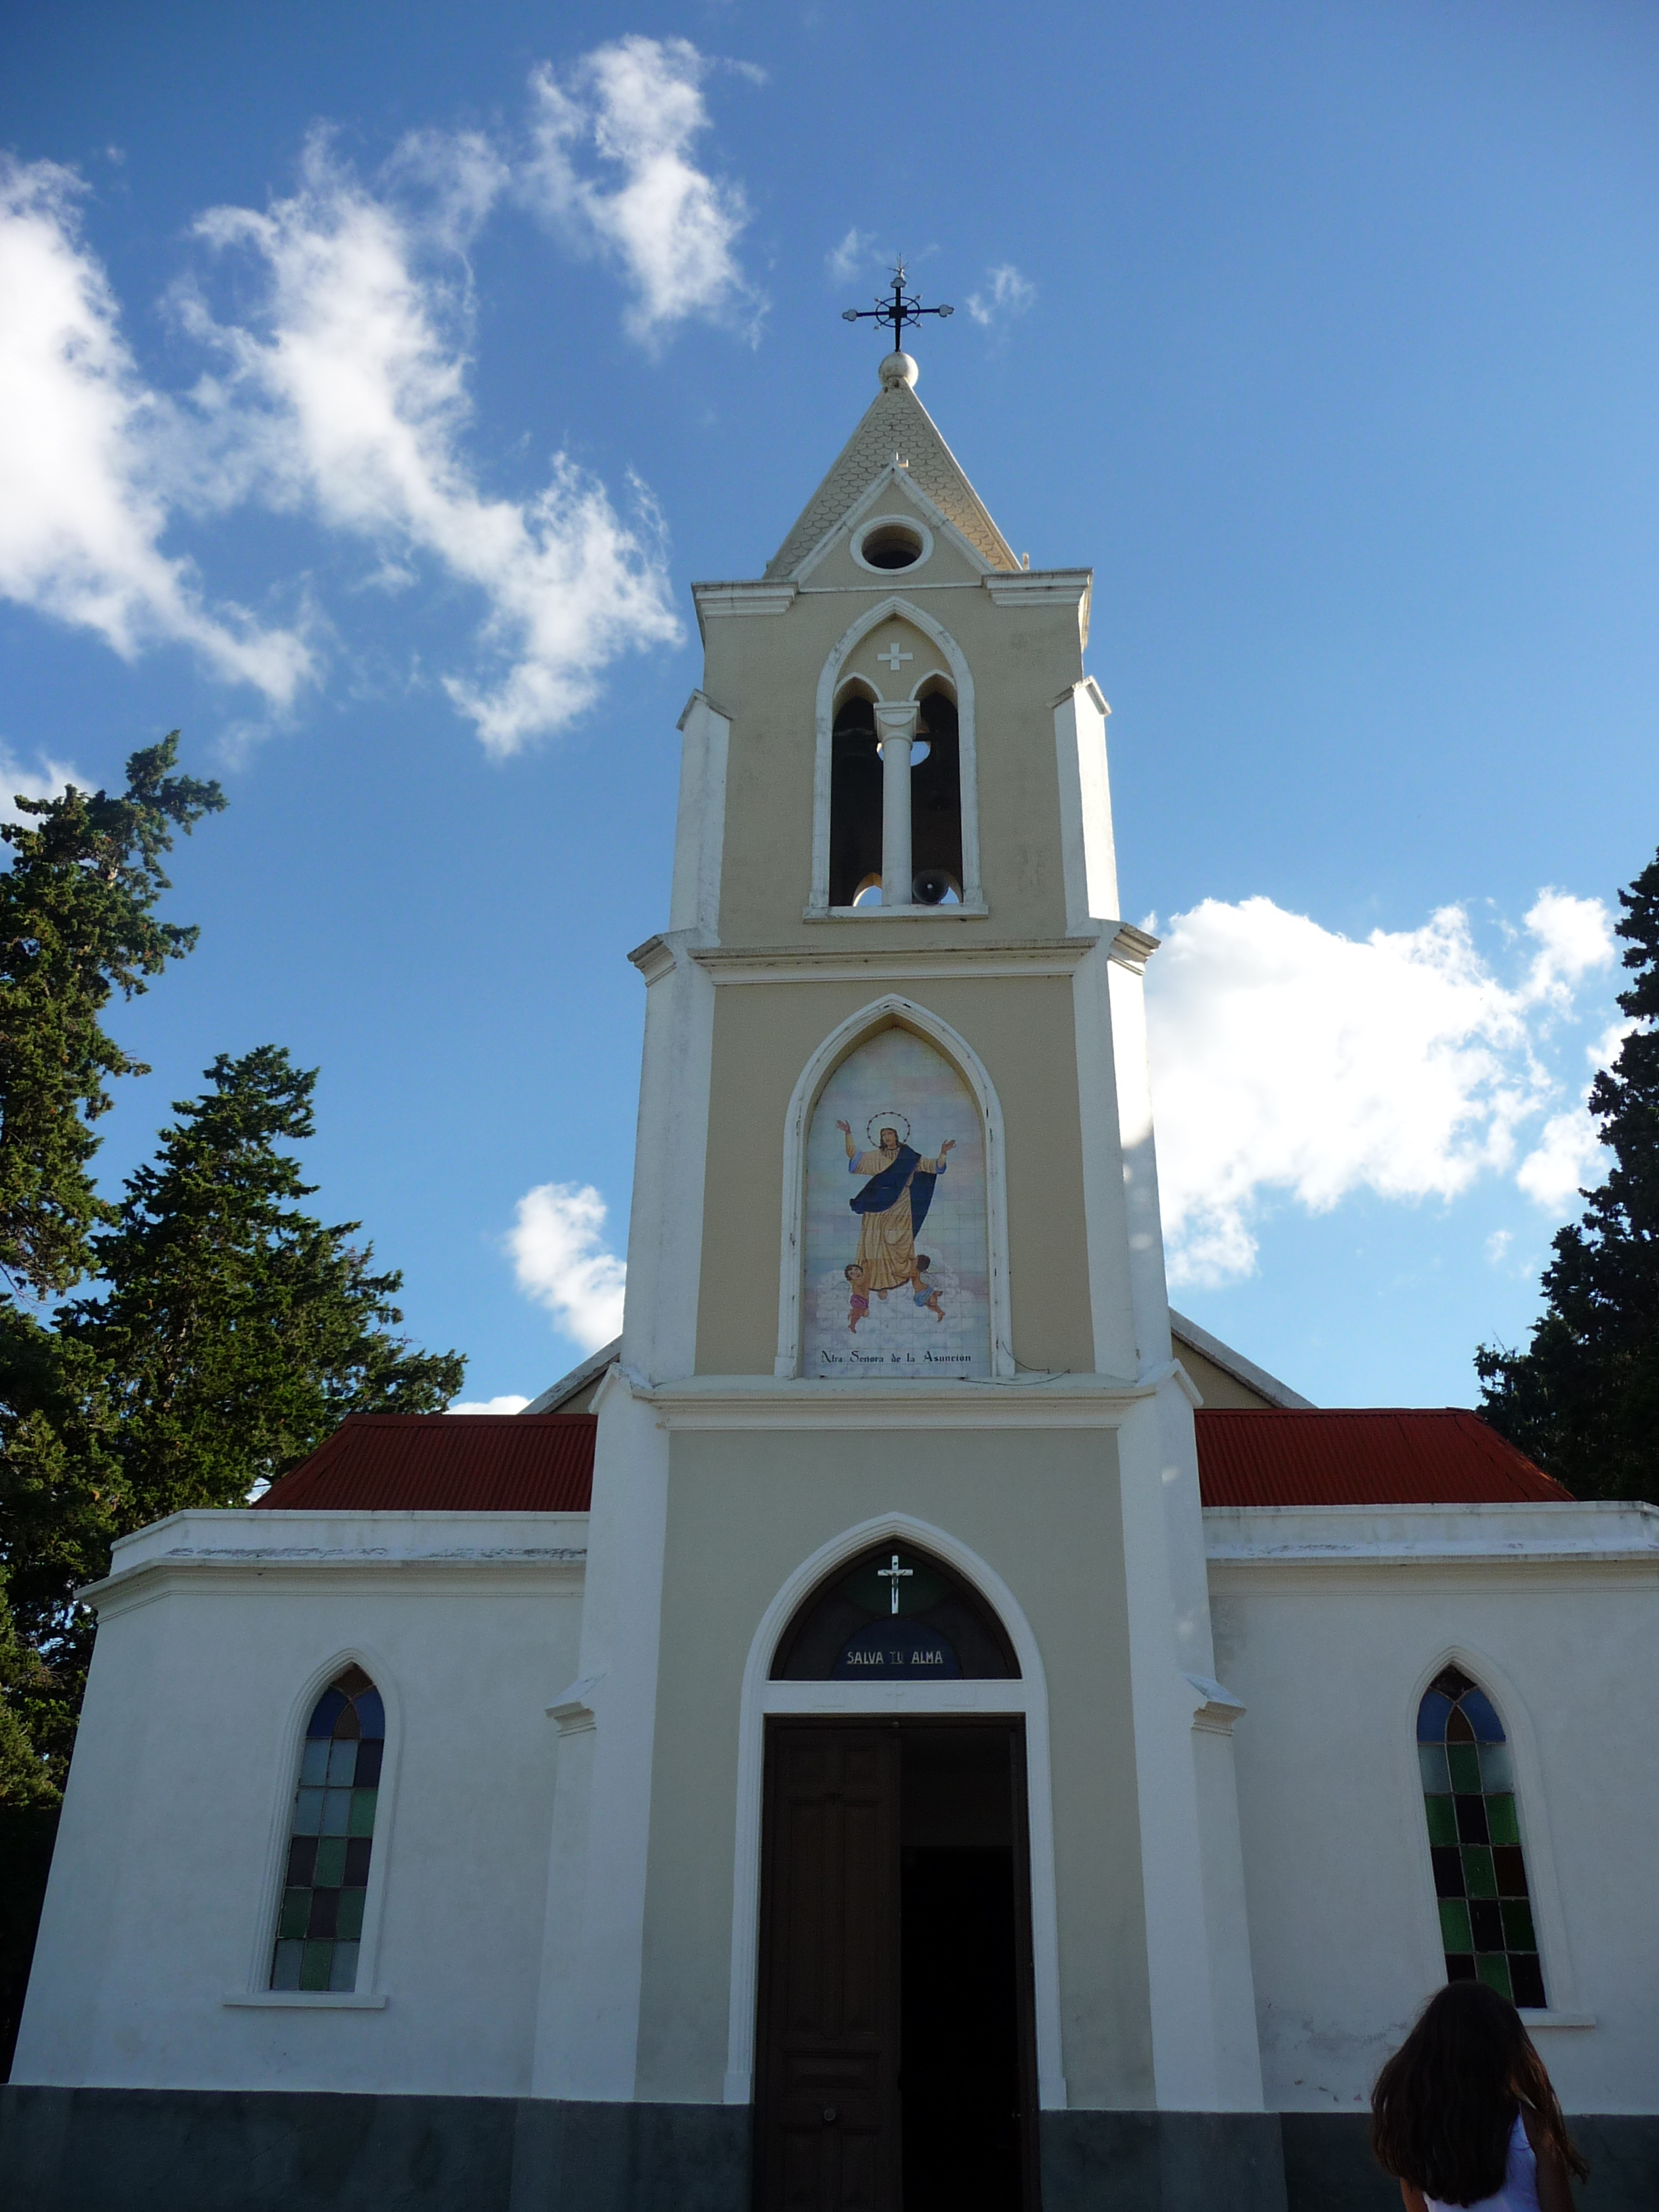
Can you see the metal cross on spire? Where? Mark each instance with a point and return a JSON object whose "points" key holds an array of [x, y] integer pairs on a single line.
{"points": [[903, 307]]}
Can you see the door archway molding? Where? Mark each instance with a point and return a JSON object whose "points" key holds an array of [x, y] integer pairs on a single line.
{"points": [[1027, 1696]]}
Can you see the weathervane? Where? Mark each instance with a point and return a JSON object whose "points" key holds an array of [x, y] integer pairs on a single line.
{"points": [[903, 307]]}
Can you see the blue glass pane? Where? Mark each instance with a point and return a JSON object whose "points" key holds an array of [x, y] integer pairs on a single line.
{"points": [[1488, 1729], [308, 1813], [285, 1971], [371, 1713], [1431, 1757], [342, 1763], [327, 1710], [342, 1971], [336, 1811], [313, 1760], [1432, 1718]]}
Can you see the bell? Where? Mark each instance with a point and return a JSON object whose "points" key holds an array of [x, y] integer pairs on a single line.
{"points": [[932, 887]]}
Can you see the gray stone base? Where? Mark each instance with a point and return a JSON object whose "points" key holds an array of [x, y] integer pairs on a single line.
{"points": [[201, 2151], [1328, 2166], [1162, 2162]]}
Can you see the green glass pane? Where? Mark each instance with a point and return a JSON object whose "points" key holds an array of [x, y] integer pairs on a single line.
{"points": [[331, 1862], [350, 1925], [296, 1910], [362, 1811], [1496, 1771], [1478, 1876], [1443, 1820], [1465, 1762], [1431, 1757], [1500, 1820], [313, 1967], [1454, 1925], [1517, 1926], [1493, 1968]]}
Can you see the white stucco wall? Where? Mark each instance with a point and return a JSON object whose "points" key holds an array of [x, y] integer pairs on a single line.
{"points": [[216, 1630], [1327, 1624]]}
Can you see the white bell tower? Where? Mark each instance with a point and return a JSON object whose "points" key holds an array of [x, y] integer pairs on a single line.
{"points": [[896, 1277]]}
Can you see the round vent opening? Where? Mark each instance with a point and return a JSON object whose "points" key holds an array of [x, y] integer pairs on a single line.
{"points": [[892, 545]]}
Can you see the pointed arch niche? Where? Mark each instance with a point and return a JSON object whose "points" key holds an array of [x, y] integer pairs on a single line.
{"points": [[950, 1318], [946, 675]]}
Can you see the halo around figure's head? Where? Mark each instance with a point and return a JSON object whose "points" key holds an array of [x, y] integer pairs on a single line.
{"points": [[889, 1118]]}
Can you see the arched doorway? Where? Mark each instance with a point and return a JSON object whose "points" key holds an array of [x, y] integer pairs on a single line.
{"points": [[896, 2061]]}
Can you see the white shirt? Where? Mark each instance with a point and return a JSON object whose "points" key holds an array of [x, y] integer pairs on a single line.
{"points": [[1520, 2189]]}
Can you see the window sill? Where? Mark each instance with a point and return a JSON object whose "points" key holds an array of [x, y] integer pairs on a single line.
{"points": [[308, 2000], [964, 910], [1532, 2016]]}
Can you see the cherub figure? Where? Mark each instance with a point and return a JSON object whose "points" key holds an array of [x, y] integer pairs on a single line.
{"points": [[926, 1293], [858, 1280]]}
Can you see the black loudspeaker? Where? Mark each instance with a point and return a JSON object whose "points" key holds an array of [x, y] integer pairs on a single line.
{"points": [[932, 887]]}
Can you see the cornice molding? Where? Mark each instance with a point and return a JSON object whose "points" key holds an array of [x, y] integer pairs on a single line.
{"points": [[746, 597], [742, 1401], [1133, 948], [844, 963]]}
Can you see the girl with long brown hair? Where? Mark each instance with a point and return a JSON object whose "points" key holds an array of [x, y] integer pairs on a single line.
{"points": [[1463, 2114]]}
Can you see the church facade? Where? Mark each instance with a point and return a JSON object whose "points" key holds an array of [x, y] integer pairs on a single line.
{"points": [[912, 1724]]}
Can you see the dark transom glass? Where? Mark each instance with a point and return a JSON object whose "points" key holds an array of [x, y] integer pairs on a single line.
{"points": [[1474, 1840], [319, 1922], [851, 1630]]}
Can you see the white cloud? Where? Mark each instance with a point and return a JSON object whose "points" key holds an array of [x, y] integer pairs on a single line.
{"points": [[19, 782], [1575, 935], [1569, 1156], [562, 1263], [636, 106], [506, 1404], [1287, 1058], [83, 448], [1497, 1246], [346, 393], [844, 261], [1006, 292]]}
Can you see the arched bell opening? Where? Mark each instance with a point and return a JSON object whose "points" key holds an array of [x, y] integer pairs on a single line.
{"points": [[895, 1614], [936, 799], [855, 799]]}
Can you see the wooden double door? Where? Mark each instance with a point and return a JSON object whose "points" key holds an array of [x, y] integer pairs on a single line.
{"points": [[896, 2058]]}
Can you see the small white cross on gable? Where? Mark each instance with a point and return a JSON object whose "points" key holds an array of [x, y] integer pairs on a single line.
{"points": [[893, 657]]}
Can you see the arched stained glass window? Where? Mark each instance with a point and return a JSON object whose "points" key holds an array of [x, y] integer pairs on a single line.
{"points": [[320, 1923], [1474, 1840]]}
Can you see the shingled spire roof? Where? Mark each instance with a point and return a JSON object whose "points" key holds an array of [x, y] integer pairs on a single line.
{"points": [[895, 423]]}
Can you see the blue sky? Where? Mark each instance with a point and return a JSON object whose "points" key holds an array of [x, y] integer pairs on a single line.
{"points": [[1328, 334]]}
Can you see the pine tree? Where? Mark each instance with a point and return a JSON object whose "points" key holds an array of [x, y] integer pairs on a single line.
{"points": [[77, 925], [237, 1331], [231, 1332], [1584, 1399]]}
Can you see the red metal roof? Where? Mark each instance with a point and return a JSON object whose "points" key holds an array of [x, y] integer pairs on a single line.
{"points": [[544, 1462], [446, 1463], [1380, 1456]]}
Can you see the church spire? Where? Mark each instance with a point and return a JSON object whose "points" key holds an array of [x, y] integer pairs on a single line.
{"points": [[896, 429]]}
